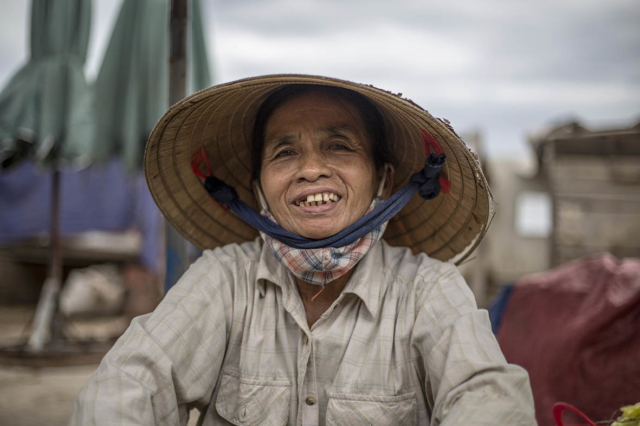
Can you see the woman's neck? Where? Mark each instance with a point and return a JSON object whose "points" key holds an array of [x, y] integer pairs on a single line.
{"points": [[317, 300]]}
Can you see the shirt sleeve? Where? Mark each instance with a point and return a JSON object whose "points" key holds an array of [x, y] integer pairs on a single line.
{"points": [[167, 361], [467, 379]]}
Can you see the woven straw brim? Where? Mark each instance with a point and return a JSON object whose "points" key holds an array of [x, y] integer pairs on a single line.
{"points": [[220, 119]]}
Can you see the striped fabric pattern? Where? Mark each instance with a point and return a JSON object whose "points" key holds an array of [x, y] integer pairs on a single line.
{"points": [[321, 266]]}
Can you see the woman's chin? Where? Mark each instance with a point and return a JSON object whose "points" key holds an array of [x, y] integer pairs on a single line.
{"points": [[315, 235], [316, 228], [317, 232]]}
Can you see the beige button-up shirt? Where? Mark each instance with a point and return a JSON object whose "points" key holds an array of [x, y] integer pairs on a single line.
{"points": [[404, 344]]}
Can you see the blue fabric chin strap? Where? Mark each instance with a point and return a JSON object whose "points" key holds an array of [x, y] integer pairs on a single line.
{"points": [[426, 182]]}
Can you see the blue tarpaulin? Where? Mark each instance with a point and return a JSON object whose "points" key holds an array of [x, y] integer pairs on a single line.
{"points": [[97, 198]]}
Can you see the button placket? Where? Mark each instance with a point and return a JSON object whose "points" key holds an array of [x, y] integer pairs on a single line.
{"points": [[303, 362], [308, 402]]}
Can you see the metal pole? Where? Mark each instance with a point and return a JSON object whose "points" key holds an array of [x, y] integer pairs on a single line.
{"points": [[177, 247]]}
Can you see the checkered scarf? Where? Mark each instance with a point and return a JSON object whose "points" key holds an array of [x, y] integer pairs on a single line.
{"points": [[323, 265]]}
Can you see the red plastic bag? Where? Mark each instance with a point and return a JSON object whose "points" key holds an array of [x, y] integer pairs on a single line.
{"points": [[559, 407]]}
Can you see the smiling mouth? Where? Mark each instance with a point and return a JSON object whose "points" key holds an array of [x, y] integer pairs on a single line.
{"points": [[318, 199]]}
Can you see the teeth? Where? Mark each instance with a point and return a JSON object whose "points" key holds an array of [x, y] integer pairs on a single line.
{"points": [[318, 199]]}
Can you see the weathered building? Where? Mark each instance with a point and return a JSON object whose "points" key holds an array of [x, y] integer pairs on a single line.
{"points": [[578, 195], [593, 178]]}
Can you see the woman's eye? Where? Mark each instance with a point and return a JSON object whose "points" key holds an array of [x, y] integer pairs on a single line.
{"points": [[284, 153], [339, 146]]}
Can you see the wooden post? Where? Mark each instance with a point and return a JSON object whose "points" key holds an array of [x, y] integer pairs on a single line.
{"points": [[46, 327], [178, 40], [177, 251]]}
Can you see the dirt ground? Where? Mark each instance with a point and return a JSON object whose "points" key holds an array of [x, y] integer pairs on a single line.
{"points": [[45, 396], [30, 397]]}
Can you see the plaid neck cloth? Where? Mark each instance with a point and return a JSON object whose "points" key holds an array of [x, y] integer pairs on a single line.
{"points": [[323, 265]]}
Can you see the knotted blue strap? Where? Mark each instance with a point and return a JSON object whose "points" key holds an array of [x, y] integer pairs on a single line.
{"points": [[426, 183]]}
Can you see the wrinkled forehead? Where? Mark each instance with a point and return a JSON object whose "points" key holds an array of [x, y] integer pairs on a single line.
{"points": [[305, 106], [319, 112]]}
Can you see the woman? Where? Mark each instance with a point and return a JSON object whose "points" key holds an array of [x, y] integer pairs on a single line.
{"points": [[316, 321]]}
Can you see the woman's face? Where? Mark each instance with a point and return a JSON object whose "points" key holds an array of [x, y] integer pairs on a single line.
{"points": [[317, 146]]}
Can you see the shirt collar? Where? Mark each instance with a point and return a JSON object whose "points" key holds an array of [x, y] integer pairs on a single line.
{"points": [[270, 269], [367, 281]]}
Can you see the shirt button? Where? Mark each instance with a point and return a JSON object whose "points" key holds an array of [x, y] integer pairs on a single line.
{"points": [[242, 413], [306, 339], [310, 400]]}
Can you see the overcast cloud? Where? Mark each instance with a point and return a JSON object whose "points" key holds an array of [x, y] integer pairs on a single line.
{"points": [[503, 67]]}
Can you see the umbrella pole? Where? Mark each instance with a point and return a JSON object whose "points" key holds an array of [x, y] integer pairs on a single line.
{"points": [[45, 327], [177, 246]]}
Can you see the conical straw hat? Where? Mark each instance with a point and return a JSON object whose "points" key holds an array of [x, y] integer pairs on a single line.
{"points": [[220, 120]]}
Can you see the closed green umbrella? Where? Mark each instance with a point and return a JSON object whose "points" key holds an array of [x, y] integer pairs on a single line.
{"points": [[132, 88], [45, 110], [45, 114]]}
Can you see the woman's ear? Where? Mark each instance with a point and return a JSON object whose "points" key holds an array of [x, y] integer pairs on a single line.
{"points": [[257, 192], [387, 186]]}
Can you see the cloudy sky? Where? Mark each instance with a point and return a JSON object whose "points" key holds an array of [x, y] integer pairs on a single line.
{"points": [[505, 68]]}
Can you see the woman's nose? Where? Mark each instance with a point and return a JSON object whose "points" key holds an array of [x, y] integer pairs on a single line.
{"points": [[313, 166]]}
